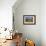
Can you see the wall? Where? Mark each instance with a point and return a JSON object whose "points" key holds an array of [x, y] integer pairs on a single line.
{"points": [[6, 18], [6, 13], [43, 22], [28, 7]]}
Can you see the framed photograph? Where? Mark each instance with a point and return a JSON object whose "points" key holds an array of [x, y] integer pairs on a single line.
{"points": [[29, 19]]}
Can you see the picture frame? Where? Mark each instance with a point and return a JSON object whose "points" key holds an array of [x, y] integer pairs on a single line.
{"points": [[29, 19]]}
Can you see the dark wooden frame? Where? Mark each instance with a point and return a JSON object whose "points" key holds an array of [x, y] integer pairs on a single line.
{"points": [[29, 23]]}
